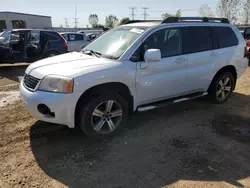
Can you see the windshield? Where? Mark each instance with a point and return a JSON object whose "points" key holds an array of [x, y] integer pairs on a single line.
{"points": [[115, 42]]}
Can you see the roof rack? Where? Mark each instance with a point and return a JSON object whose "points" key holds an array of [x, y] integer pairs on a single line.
{"points": [[137, 21], [195, 19]]}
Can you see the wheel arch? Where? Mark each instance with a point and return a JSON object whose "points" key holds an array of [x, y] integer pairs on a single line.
{"points": [[228, 68], [121, 88]]}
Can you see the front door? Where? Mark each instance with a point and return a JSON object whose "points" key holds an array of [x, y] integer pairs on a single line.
{"points": [[17, 45], [5, 48], [166, 78]]}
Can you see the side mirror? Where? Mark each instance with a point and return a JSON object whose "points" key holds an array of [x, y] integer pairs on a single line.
{"points": [[152, 55]]}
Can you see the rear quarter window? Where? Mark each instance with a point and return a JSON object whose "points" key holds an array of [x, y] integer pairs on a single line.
{"points": [[52, 36], [225, 37]]}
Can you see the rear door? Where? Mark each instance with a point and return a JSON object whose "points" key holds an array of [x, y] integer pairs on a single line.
{"points": [[198, 44]]}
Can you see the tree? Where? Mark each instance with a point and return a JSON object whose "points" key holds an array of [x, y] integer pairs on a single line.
{"points": [[99, 26], [206, 11], [246, 12], [124, 21], [111, 21], [229, 9], [93, 20], [166, 15]]}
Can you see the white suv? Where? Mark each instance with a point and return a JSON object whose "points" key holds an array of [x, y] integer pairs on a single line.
{"points": [[138, 66]]}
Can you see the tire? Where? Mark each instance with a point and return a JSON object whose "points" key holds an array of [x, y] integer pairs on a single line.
{"points": [[223, 83], [89, 122], [51, 54]]}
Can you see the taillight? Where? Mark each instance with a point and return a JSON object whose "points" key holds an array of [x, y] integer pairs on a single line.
{"points": [[89, 40], [246, 52], [65, 45], [248, 43]]}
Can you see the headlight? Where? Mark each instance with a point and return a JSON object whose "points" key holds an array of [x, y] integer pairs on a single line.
{"points": [[58, 84]]}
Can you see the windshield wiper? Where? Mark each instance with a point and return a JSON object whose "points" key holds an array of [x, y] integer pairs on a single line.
{"points": [[97, 54]]}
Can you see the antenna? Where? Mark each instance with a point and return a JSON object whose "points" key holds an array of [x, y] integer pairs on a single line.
{"points": [[145, 14], [132, 12]]}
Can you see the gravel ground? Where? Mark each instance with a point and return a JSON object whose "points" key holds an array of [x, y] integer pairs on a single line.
{"points": [[190, 144], [11, 74]]}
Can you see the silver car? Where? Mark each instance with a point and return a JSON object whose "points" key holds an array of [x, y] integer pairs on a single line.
{"points": [[76, 41]]}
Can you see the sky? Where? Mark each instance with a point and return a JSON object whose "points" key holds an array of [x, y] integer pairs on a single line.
{"points": [[61, 9]]}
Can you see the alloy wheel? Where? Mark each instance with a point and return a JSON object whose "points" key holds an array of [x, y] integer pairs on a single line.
{"points": [[224, 88], [106, 116]]}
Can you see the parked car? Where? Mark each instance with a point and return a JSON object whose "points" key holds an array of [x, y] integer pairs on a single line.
{"points": [[92, 36], [30, 45], [76, 41], [136, 67]]}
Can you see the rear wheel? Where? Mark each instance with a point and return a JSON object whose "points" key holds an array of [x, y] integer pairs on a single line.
{"points": [[104, 116], [222, 88]]}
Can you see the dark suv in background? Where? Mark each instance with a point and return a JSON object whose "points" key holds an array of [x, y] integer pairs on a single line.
{"points": [[30, 45]]}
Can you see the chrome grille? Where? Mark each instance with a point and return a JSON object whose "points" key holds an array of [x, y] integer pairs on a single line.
{"points": [[30, 82]]}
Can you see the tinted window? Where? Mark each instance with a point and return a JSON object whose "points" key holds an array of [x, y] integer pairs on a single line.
{"points": [[225, 36], [166, 40], [65, 36], [34, 37], [197, 39], [51, 36], [79, 37]]}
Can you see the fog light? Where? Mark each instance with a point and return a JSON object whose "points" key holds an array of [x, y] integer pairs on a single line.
{"points": [[43, 109]]}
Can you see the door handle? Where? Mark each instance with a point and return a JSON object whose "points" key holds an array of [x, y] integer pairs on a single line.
{"points": [[180, 60]]}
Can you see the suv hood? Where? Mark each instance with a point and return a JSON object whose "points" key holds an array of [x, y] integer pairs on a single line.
{"points": [[69, 64]]}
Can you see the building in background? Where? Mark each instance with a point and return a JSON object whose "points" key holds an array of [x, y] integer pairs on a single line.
{"points": [[16, 20]]}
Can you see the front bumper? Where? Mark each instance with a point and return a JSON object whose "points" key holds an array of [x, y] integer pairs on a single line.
{"points": [[62, 105]]}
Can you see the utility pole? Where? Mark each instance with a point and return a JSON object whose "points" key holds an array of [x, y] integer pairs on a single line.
{"points": [[132, 12], [75, 18], [145, 14], [66, 22]]}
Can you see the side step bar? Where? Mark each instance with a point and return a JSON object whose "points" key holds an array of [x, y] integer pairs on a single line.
{"points": [[152, 106]]}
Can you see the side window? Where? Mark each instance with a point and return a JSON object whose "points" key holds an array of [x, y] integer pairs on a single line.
{"points": [[168, 41], [225, 36], [137, 56], [78, 37], [72, 37], [51, 36], [66, 37], [34, 37], [15, 37], [197, 39]]}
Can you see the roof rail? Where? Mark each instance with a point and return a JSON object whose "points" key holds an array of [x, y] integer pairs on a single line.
{"points": [[137, 21], [195, 19]]}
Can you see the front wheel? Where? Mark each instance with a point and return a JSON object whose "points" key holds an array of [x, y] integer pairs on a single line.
{"points": [[222, 88], [104, 116]]}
